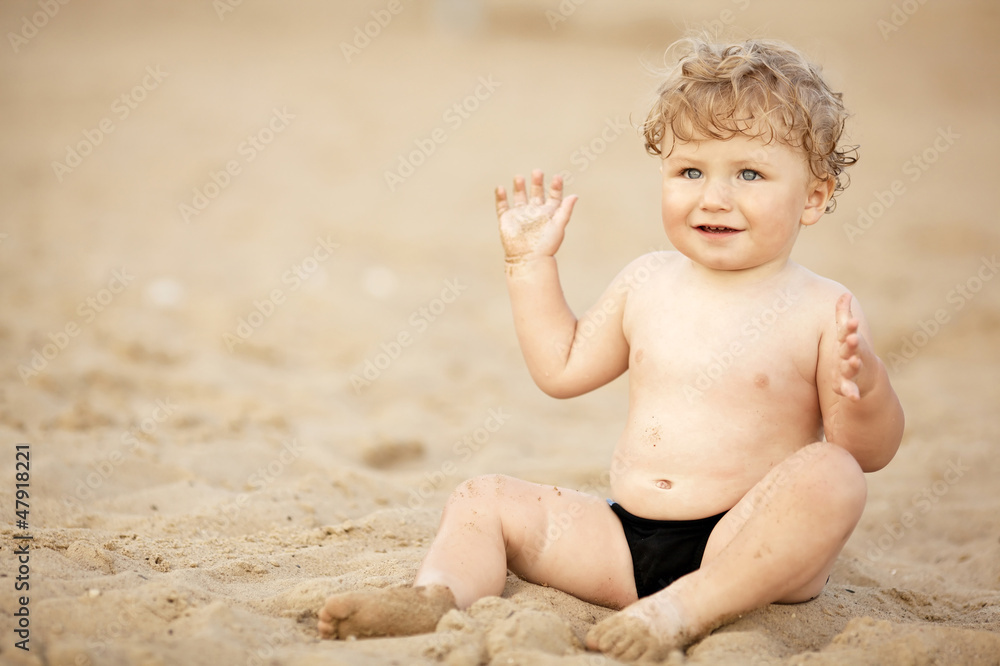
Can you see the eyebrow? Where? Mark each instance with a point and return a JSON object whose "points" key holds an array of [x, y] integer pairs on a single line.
{"points": [[745, 161]]}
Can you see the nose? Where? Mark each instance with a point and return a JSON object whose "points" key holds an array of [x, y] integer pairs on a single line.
{"points": [[715, 196]]}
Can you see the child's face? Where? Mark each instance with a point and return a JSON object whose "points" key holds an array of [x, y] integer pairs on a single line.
{"points": [[738, 204]]}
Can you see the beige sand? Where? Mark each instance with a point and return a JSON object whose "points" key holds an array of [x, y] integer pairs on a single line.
{"points": [[194, 496]]}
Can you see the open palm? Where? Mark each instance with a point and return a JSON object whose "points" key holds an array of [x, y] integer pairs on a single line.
{"points": [[533, 226]]}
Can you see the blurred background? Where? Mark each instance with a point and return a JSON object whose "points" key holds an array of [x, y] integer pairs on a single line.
{"points": [[383, 127], [276, 218]]}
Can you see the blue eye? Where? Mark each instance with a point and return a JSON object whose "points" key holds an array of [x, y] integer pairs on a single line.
{"points": [[691, 173], [749, 174]]}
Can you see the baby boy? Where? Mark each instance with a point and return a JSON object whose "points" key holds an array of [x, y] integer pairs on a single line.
{"points": [[756, 400]]}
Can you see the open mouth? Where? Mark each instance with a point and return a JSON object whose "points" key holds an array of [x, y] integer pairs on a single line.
{"points": [[717, 230]]}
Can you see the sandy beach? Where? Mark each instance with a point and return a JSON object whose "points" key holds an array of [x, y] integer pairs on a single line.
{"points": [[255, 327]]}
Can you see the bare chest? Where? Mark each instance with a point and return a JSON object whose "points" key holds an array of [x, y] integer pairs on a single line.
{"points": [[729, 348]]}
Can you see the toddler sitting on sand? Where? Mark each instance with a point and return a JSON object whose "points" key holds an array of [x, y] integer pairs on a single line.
{"points": [[756, 400]]}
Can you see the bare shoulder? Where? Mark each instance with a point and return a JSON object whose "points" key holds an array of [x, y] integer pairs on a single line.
{"points": [[815, 287], [820, 295], [642, 269], [643, 282]]}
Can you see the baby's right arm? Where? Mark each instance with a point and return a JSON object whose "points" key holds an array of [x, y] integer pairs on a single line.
{"points": [[565, 356]]}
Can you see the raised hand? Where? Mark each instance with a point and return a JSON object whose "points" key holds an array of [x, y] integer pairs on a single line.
{"points": [[533, 226], [852, 348]]}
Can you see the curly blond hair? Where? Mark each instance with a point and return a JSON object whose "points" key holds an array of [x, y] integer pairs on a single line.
{"points": [[757, 88]]}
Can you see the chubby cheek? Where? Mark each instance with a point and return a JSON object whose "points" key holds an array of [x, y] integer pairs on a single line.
{"points": [[673, 210], [671, 220], [772, 217], [668, 204]]}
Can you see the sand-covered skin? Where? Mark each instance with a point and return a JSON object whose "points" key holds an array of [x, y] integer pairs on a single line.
{"points": [[258, 331], [398, 611]]}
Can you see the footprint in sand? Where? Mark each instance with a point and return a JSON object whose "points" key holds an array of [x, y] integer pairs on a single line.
{"points": [[393, 453]]}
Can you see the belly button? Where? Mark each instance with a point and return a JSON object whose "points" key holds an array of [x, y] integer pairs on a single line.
{"points": [[663, 484]]}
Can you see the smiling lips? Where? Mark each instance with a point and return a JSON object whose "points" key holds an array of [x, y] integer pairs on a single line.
{"points": [[716, 230]]}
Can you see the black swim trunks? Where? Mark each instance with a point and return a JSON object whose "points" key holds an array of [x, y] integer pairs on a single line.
{"points": [[663, 550]]}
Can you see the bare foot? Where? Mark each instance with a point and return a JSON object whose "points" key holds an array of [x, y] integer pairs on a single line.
{"points": [[397, 611], [649, 629]]}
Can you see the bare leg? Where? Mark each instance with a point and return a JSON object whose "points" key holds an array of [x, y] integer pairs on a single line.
{"points": [[547, 535], [778, 544]]}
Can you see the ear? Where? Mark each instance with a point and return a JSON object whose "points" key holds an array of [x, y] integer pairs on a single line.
{"points": [[818, 196]]}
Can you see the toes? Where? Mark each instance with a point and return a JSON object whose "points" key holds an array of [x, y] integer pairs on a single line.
{"points": [[601, 636], [340, 607], [326, 626], [608, 638], [623, 649], [620, 638], [327, 630], [634, 651], [593, 637], [332, 616]]}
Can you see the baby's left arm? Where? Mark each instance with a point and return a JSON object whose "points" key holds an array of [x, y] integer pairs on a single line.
{"points": [[860, 410]]}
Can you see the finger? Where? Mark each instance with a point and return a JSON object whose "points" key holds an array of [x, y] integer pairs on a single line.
{"points": [[849, 390], [849, 368], [501, 201], [562, 214], [847, 329], [849, 345], [520, 198], [537, 187], [843, 313], [844, 305], [855, 364], [555, 190]]}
